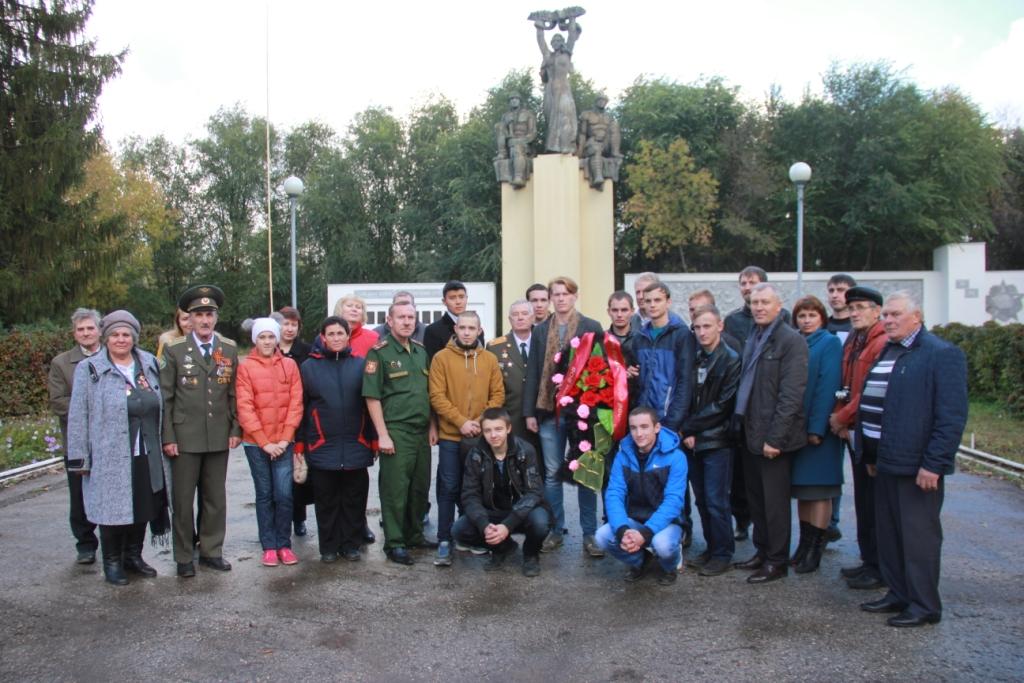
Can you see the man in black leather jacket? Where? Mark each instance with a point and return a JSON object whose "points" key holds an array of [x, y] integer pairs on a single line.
{"points": [[708, 438], [502, 494]]}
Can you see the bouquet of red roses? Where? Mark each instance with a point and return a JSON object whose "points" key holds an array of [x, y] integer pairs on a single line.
{"points": [[592, 386]]}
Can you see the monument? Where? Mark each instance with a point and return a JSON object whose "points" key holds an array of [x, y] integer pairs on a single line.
{"points": [[557, 207]]}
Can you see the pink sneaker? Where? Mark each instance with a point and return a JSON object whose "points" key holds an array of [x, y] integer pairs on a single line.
{"points": [[287, 556], [269, 558]]}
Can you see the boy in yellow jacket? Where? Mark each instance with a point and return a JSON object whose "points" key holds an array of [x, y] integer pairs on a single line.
{"points": [[465, 380]]}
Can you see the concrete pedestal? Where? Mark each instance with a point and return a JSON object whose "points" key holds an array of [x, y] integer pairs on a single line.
{"points": [[558, 225]]}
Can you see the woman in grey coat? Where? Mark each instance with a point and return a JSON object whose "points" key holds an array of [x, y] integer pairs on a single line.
{"points": [[114, 444]]}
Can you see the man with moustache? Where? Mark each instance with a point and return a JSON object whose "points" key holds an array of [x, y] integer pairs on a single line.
{"points": [[197, 379], [513, 351]]}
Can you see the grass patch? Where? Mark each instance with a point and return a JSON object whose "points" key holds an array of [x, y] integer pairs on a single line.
{"points": [[25, 440], [996, 430]]}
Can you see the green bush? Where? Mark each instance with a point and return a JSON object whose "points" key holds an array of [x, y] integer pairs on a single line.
{"points": [[995, 360], [25, 355]]}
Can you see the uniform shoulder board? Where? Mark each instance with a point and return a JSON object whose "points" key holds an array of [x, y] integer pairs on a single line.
{"points": [[497, 340], [176, 341], [381, 344], [416, 341], [225, 340]]}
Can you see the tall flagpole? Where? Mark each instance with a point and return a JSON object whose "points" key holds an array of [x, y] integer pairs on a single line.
{"points": [[270, 255]]}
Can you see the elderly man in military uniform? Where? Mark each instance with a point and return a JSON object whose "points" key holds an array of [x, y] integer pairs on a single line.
{"points": [[197, 378], [512, 350], [85, 324], [395, 385]]}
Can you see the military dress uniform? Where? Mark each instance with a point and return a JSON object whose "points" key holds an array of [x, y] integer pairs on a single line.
{"points": [[398, 377], [200, 417], [513, 371]]}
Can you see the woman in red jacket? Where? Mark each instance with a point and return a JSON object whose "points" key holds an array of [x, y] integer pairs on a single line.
{"points": [[269, 391], [352, 309]]}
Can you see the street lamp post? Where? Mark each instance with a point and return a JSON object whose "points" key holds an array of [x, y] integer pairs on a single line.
{"points": [[293, 187], [800, 175]]}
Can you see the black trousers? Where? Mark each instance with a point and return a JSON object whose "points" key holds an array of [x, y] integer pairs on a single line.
{"points": [[302, 495], [339, 498], [738, 492], [83, 530], [910, 541], [535, 526], [864, 504], [768, 488]]}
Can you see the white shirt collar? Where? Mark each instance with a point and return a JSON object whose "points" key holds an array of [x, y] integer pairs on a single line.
{"points": [[199, 343], [518, 341]]}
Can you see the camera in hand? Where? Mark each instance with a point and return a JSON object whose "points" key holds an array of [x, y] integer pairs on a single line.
{"points": [[843, 395]]}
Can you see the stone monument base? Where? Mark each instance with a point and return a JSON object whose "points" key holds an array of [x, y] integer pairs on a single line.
{"points": [[558, 225]]}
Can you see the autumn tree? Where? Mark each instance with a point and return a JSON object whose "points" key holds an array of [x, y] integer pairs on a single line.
{"points": [[673, 201]]}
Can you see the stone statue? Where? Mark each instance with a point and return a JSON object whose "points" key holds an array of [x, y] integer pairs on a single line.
{"points": [[598, 146], [515, 133], [559, 107]]}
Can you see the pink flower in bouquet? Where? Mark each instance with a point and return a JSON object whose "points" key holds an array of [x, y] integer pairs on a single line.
{"points": [[565, 400], [557, 379], [574, 465], [585, 446], [583, 411], [582, 426], [558, 357], [574, 342]]}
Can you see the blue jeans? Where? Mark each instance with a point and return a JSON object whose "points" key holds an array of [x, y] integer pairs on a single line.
{"points": [[665, 545], [711, 477], [552, 442], [273, 482], [448, 486]]}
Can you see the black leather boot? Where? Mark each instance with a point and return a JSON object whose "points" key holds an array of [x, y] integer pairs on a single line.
{"points": [[803, 546], [112, 546], [133, 561], [812, 559]]}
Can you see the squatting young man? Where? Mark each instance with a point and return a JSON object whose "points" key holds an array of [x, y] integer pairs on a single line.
{"points": [[503, 494]]}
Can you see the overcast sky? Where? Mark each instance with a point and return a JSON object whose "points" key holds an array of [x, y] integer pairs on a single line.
{"points": [[331, 59]]}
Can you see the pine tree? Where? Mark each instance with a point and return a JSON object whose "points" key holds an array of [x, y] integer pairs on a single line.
{"points": [[50, 80]]}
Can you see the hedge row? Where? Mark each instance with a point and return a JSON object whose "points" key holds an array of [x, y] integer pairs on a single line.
{"points": [[25, 355], [995, 360]]}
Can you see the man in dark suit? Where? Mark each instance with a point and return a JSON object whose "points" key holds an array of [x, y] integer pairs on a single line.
{"points": [[512, 351], [911, 418], [439, 333], [197, 379], [769, 408]]}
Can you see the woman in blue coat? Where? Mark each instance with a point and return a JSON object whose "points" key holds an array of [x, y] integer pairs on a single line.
{"points": [[817, 474]]}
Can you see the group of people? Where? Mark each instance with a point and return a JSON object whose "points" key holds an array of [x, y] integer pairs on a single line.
{"points": [[748, 411]]}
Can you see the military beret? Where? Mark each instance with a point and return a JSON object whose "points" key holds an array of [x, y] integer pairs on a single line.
{"points": [[861, 293], [201, 298]]}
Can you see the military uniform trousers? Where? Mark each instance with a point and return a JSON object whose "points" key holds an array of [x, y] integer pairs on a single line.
{"points": [[404, 486], [209, 472]]}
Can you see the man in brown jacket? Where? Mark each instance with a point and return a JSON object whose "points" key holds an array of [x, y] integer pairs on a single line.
{"points": [[85, 323], [465, 380]]}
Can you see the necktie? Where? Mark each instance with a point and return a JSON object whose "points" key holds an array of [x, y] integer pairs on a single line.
{"points": [[522, 349], [206, 351]]}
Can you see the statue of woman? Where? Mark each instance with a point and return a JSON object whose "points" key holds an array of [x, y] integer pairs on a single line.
{"points": [[559, 107]]}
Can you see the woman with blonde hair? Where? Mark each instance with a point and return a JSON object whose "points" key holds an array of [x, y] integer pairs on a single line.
{"points": [[182, 328], [352, 309]]}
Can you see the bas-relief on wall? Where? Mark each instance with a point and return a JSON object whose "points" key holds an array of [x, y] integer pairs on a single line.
{"points": [[727, 294]]}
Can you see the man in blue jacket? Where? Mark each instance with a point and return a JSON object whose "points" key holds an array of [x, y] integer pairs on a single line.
{"points": [[645, 499], [664, 349], [912, 417]]}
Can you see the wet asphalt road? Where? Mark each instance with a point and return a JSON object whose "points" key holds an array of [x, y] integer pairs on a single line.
{"points": [[373, 620]]}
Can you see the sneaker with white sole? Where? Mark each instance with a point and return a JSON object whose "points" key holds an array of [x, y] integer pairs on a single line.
{"points": [[443, 558], [476, 550]]}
